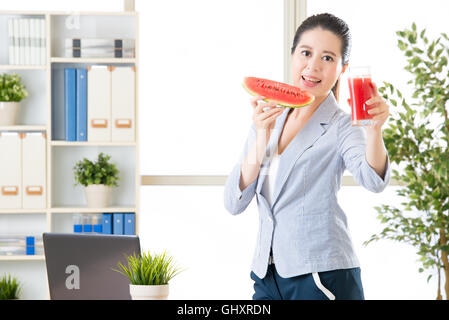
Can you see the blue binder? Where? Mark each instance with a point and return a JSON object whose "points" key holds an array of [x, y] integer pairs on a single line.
{"points": [[70, 103], [30, 246], [98, 228], [118, 223], [107, 223], [30, 250], [87, 228], [81, 104], [57, 104], [77, 228], [129, 223]]}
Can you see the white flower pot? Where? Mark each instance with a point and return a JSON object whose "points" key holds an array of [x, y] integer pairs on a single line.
{"points": [[97, 195], [140, 292], [8, 113]]}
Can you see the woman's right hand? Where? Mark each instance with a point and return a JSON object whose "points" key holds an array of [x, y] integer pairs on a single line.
{"points": [[264, 120]]}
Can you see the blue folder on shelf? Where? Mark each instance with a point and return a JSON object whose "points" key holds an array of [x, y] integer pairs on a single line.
{"points": [[57, 104], [117, 226], [81, 104], [107, 223], [129, 223], [30, 246], [70, 103]]}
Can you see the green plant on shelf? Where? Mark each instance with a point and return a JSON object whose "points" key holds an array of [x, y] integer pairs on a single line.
{"points": [[100, 172], [9, 288], [12, 88]]}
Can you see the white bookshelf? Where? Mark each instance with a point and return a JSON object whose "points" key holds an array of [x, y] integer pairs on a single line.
{"points": [[93, 144], [93, 60], [21, 67], [22, 211], [23, 258], [35, 115], [20, 128]]}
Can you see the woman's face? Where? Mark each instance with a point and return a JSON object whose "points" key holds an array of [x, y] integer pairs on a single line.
{"points": [[317, 62]]}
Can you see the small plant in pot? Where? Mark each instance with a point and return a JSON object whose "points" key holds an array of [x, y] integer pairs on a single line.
{"points": [[149, 275], [98, 178], [12, 91], [9, 288]]}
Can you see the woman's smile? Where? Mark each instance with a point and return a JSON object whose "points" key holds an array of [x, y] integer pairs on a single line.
{"points": [[310, 81]]}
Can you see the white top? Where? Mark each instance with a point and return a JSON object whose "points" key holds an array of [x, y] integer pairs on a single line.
{"points": [[268, 184]]}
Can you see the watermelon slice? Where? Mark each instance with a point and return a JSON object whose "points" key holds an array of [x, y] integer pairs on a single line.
{"points": [[281, 93]]}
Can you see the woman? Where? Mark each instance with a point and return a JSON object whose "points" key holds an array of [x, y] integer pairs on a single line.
{"points": [[293, 162]]}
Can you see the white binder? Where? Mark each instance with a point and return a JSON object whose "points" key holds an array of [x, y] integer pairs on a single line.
{"points": [[11, 40], [10, 171], [21, 41], [98, 103], [123, 103], [34, 171], [43, 41], [27, 41], [16, 27], [34, 38]]}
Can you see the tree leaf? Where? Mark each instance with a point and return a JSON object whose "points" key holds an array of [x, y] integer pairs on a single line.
{"points": [[421, 35], [402, 45]]}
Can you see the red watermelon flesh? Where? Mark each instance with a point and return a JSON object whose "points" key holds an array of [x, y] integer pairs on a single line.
{"points": [[281, 93]]}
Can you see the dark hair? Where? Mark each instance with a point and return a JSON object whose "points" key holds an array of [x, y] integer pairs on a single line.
{"points": [[331, 23]]}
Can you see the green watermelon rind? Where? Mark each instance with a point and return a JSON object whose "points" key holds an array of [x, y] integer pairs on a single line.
{"points": [[312, 98]]}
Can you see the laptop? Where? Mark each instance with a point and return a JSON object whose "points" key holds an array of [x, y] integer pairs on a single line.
{"points": [[79, 266]]}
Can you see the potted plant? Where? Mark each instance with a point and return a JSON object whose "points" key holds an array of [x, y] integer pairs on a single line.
{"points": [[98, 178], [149, 275], [418, 139], [12, 91], [9, 288]]}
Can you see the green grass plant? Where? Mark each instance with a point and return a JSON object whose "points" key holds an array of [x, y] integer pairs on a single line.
{"points": [[9, 288], [147, 269]]}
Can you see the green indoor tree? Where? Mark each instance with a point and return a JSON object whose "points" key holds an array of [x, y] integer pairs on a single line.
{"points": [[417, 138]]}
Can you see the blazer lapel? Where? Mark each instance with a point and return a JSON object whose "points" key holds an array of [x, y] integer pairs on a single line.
{"points": [[304, 139]]}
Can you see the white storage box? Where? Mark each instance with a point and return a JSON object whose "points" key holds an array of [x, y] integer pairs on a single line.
{"points": [[98, 103], [10, 171], [34, 193], [123, 103]]}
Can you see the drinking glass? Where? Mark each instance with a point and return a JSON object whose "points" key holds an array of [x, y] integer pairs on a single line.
{"points": [[360, 90]]}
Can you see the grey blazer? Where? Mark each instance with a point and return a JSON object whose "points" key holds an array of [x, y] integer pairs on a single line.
{"points": [[305, 226]]}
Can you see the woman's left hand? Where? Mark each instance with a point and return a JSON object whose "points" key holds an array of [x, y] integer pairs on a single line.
{"points": [[378, 108]]}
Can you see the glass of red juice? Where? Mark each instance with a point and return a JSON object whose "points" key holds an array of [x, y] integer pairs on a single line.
{"points": [[360, 90]]}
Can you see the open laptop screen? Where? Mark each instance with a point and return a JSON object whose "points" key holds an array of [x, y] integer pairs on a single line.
{"points": [[79, 266]]}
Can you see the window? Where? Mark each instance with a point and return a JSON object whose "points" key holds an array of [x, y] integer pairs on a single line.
{"points": [[194, 113]]}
